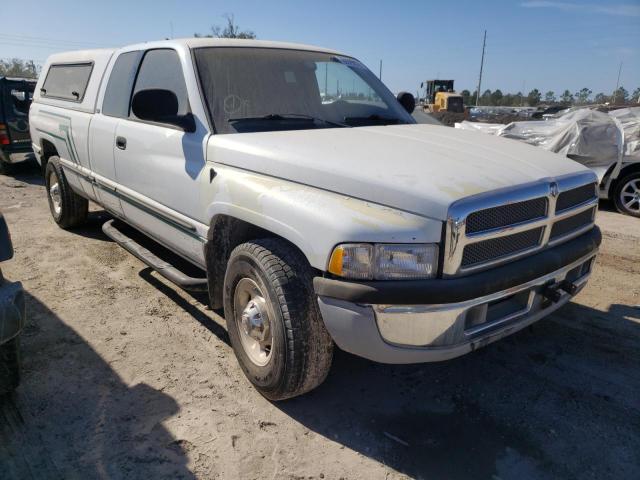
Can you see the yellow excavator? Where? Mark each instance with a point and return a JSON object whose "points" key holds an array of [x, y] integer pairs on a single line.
{"points": [[443, 102]]}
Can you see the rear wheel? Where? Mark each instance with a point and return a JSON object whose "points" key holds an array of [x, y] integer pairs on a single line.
{"points": [[9, 366], [273, 319], [68, 208], [627, 194]]}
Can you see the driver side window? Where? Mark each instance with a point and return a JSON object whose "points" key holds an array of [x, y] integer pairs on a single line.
{"points": [[161, 69]]}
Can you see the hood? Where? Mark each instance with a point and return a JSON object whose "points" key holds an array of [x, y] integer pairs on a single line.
{"points": [[419, 168]]}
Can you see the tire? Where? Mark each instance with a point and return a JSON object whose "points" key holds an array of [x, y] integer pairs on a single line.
{"points": [[624, 192], [9, 366], [297, 354], [68, 209]]}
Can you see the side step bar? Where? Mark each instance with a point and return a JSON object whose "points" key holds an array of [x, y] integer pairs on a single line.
{"points": [[168, 271]]}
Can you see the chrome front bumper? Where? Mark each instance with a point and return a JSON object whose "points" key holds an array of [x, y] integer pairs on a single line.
{"points": [[428, 333]]}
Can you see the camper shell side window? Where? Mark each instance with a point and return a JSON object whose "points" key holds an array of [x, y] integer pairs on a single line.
{"points": [[67, 81]]}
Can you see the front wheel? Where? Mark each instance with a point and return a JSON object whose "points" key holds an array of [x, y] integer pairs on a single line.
{"points": [[626, 194], [68, 209], [273, 319]]}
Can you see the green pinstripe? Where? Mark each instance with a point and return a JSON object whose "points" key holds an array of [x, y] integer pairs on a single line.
{"points": [[73, 152], [68, 141]]}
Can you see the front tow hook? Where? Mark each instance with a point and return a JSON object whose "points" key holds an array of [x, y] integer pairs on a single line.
{"points": [[552, 292], [569, 287]]}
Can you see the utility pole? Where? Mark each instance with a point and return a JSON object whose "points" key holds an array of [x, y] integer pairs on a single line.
{"points": [[380, 75], [484, 42], [615, 92]]}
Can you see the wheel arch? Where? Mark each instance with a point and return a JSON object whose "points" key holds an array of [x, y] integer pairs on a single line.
{"points": [[226, 232], [49, 150], [624, 171]]}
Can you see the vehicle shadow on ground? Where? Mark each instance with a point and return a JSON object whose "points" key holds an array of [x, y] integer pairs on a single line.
{"points": [[92, 228], [557, 400], [171, 293], [28, 172], [607, 206], [547, 402], [88, 424], [509, 410]]}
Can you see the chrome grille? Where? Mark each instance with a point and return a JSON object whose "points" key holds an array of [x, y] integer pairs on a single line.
{"points": [[504, 215], [576, 196], [497, 227], [499, 247], [568, 225]]}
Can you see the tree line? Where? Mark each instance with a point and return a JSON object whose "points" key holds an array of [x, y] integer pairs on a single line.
{"points": [[14, 67], [230, 30], [584, 96]]}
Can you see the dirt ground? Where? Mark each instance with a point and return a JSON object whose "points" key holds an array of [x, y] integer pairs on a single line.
{"points": [[127, 376]]}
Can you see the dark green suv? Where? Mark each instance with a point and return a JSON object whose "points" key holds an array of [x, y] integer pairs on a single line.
{"points": [[15, 98]]}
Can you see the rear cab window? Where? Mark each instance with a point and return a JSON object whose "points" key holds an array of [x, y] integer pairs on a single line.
{"points": [[131, 73], [117, 96], [67, 81]]}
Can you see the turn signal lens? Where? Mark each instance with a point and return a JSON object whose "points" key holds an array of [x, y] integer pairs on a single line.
{"points": [[352, 260]]}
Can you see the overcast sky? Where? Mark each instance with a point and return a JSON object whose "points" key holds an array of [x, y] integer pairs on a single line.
{"points": [[543, 44]]}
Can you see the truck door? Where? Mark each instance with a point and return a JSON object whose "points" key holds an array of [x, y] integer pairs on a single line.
{"points": [[102, 131], [157, 165]]}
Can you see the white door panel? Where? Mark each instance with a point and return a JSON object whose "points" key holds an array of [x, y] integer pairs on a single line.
{"points": [[158, 165], [102, 145], [162, 165]]}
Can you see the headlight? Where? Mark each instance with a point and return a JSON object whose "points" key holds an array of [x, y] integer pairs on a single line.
{"points": [[384, 261]]}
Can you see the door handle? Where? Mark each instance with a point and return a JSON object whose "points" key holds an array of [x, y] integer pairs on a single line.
{"points": [[121, 143]]}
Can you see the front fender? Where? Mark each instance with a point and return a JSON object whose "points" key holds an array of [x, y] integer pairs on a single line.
{"points": [[314, 220]]}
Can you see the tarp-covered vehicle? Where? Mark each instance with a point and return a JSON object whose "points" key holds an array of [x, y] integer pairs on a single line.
{"points": [[608, 143], [16, 95]]}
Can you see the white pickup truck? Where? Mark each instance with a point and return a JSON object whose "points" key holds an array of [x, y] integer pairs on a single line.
{"points": [[316, 209]]}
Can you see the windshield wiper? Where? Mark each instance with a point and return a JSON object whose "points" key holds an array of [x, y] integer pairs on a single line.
{"points": [[376, 118], [289, 116]]}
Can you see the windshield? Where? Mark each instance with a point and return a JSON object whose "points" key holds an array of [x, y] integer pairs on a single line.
{"points": [[265, 89]]}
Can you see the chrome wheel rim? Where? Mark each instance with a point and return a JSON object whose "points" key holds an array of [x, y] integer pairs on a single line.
{"points": [[630, 195], [54, 194], [253, 321]]}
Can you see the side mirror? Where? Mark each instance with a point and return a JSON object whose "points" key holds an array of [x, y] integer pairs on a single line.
{"points": [[156, 105], [407, 101]]}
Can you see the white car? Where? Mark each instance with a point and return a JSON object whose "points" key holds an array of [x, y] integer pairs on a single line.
{"points": [[318, 211]]}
